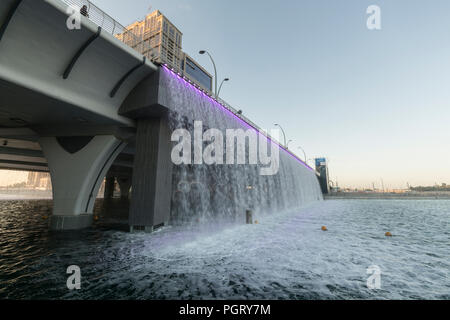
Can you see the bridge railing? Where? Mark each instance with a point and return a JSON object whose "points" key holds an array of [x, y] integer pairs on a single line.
{"points": [[112, 26], [239, 114], [109, 24]]}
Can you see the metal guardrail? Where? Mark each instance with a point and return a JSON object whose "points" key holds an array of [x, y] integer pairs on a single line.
{"points": [[112, 26], [250, 122], [136, 42], [257, 128]]}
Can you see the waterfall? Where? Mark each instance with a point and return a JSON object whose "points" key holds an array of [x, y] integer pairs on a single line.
{"points": [[203, 192]]}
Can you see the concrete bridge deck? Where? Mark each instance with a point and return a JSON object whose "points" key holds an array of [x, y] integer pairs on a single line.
{"points": [[80, 104]]}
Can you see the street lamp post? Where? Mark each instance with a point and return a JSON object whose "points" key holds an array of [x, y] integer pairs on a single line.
{"points": [[304, 153], [220, 88], [287, 145], [284, 134], [215, 69]]}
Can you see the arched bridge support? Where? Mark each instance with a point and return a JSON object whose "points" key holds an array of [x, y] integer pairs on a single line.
{"points": [[77, 167], [125, 186]]}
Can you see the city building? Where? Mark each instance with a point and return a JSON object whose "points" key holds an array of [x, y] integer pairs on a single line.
{"points": [[161, 41], [39, 180], [322, 171], [196, 73], [156, 38]]}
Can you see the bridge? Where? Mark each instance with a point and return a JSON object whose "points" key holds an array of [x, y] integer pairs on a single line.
{"points": [[83, 105]]}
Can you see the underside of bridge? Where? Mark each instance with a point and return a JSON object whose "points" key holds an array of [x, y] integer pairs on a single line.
{"points": [[84, 106], [60, 92]]}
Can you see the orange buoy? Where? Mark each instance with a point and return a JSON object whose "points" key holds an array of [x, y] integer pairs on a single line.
{"points": [[324, 228], [388, 234], [256, 221]]}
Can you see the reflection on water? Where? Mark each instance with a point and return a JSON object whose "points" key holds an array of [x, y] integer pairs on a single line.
{"points": [[285, 256]]}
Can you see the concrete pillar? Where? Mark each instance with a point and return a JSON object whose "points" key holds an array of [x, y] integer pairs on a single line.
{"points": [[125, 185], [249, 216], [110, 183], [152, 175], [77, 168]]}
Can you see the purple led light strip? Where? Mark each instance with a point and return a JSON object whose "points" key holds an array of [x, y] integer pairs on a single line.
{"points": [[187, 81]]}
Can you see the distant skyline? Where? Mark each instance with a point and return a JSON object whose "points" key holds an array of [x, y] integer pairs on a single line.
{"points": [[375, 103], [10, 177]]}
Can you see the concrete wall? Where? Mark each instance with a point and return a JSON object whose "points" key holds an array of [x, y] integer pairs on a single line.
{"points": [[218, 191]]}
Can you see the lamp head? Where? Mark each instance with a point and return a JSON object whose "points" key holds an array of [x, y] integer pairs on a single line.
{"points": [[226, 79], [202, 52]]}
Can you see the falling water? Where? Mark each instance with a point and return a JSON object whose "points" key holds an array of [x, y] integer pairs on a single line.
{"points": [[224, 192]]}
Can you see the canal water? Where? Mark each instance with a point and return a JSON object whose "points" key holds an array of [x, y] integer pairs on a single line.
{"points": [[285, 256]]}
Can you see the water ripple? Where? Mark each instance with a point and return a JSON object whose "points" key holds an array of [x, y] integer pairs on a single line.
{"points": [[285, 256]]}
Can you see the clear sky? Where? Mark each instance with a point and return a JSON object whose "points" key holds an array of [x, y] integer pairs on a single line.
{"points": [[376, 103]]}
